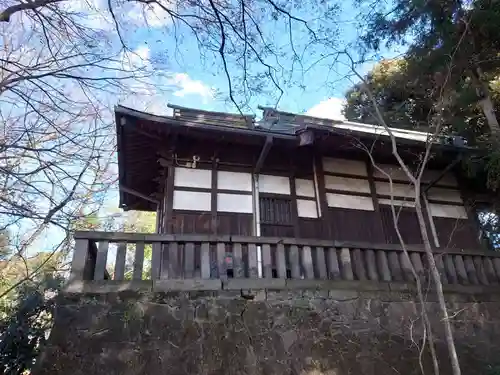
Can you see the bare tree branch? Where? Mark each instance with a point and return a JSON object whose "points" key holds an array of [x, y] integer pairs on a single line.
{"points": [[23, 6]]}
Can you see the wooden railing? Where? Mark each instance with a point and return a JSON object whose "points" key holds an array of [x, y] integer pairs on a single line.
{"points": [[227, 257]]}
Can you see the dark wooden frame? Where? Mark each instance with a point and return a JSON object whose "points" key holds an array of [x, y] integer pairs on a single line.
{"points": [[324, 218]]}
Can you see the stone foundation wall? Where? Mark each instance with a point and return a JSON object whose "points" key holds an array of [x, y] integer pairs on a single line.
{"points": [[263, 332]]}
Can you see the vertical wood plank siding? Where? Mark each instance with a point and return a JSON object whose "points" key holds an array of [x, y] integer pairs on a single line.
{"points": [[407, 224], [278, 216], [310, 228], [459, 233], [191, 222], [355, 225], [231, 223], [272, 230]]}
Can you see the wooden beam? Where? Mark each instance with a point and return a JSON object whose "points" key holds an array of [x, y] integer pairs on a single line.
{"points": [[273, 241], [448, 168], [263, 154], [138, 194]]}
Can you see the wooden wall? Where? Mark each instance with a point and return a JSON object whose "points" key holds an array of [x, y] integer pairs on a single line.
{"points": [[310, 196], [205, 200]]}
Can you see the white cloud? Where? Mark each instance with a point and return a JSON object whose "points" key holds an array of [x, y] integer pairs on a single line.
{"points": [[138, 59], [330, 108], [152, 15], [92, 13], [152, 92], [189, 86], [95, 13], [143, 52]]}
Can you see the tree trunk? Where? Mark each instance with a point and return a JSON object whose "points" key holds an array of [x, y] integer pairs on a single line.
{"points": [[485, 102], [436, 277], [489, 112]]}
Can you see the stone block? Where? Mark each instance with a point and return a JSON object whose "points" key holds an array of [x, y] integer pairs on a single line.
{"points": [[342, 295], [229, 294], [282, 295], [201, 294], [315, 294], [248, 284], [253, 294], [186, 285], [310, 284], [107, 286], [353, 331]]}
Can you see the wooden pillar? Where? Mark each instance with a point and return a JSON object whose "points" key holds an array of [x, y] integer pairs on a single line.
{"points": [[256, 204], [213, 196], [470, 209], [158, 226], [376, 206], [326, 221], [295, 213], [169, 200]]}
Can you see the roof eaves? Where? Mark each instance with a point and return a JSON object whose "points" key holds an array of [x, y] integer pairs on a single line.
{"points": [[120, 156], [403, 136], [215, 113], [198, 124]]}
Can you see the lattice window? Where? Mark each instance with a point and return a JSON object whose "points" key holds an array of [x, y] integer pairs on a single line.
{"points": [[276, 211]]}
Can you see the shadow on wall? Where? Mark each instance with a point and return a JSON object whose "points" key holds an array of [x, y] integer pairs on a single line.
{"points": [[299, 333]]}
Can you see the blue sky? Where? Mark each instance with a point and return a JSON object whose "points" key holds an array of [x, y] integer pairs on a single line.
{"points": [[182, 77], [203, 84], [190, 81]]}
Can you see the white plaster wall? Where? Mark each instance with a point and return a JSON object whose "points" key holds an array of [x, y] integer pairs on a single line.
{"points": [[401, 190], [354, 167], [392, 170], [190, 177], [307, 208], [304, 188], [347, 184], [234, 203], [442, 210], [448, 179], [234, 181], [443, 194], [397, 202], [350, 201], [191, 200], [274, 184]]}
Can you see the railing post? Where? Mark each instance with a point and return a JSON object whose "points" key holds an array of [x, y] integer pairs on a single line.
{"points": [[121, 257], [80, 258], [343, 261], [205, 260], [101, 258], [156, 260]]}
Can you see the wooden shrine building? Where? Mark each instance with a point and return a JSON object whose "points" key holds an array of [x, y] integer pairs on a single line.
{"points": [[290, 176]]}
